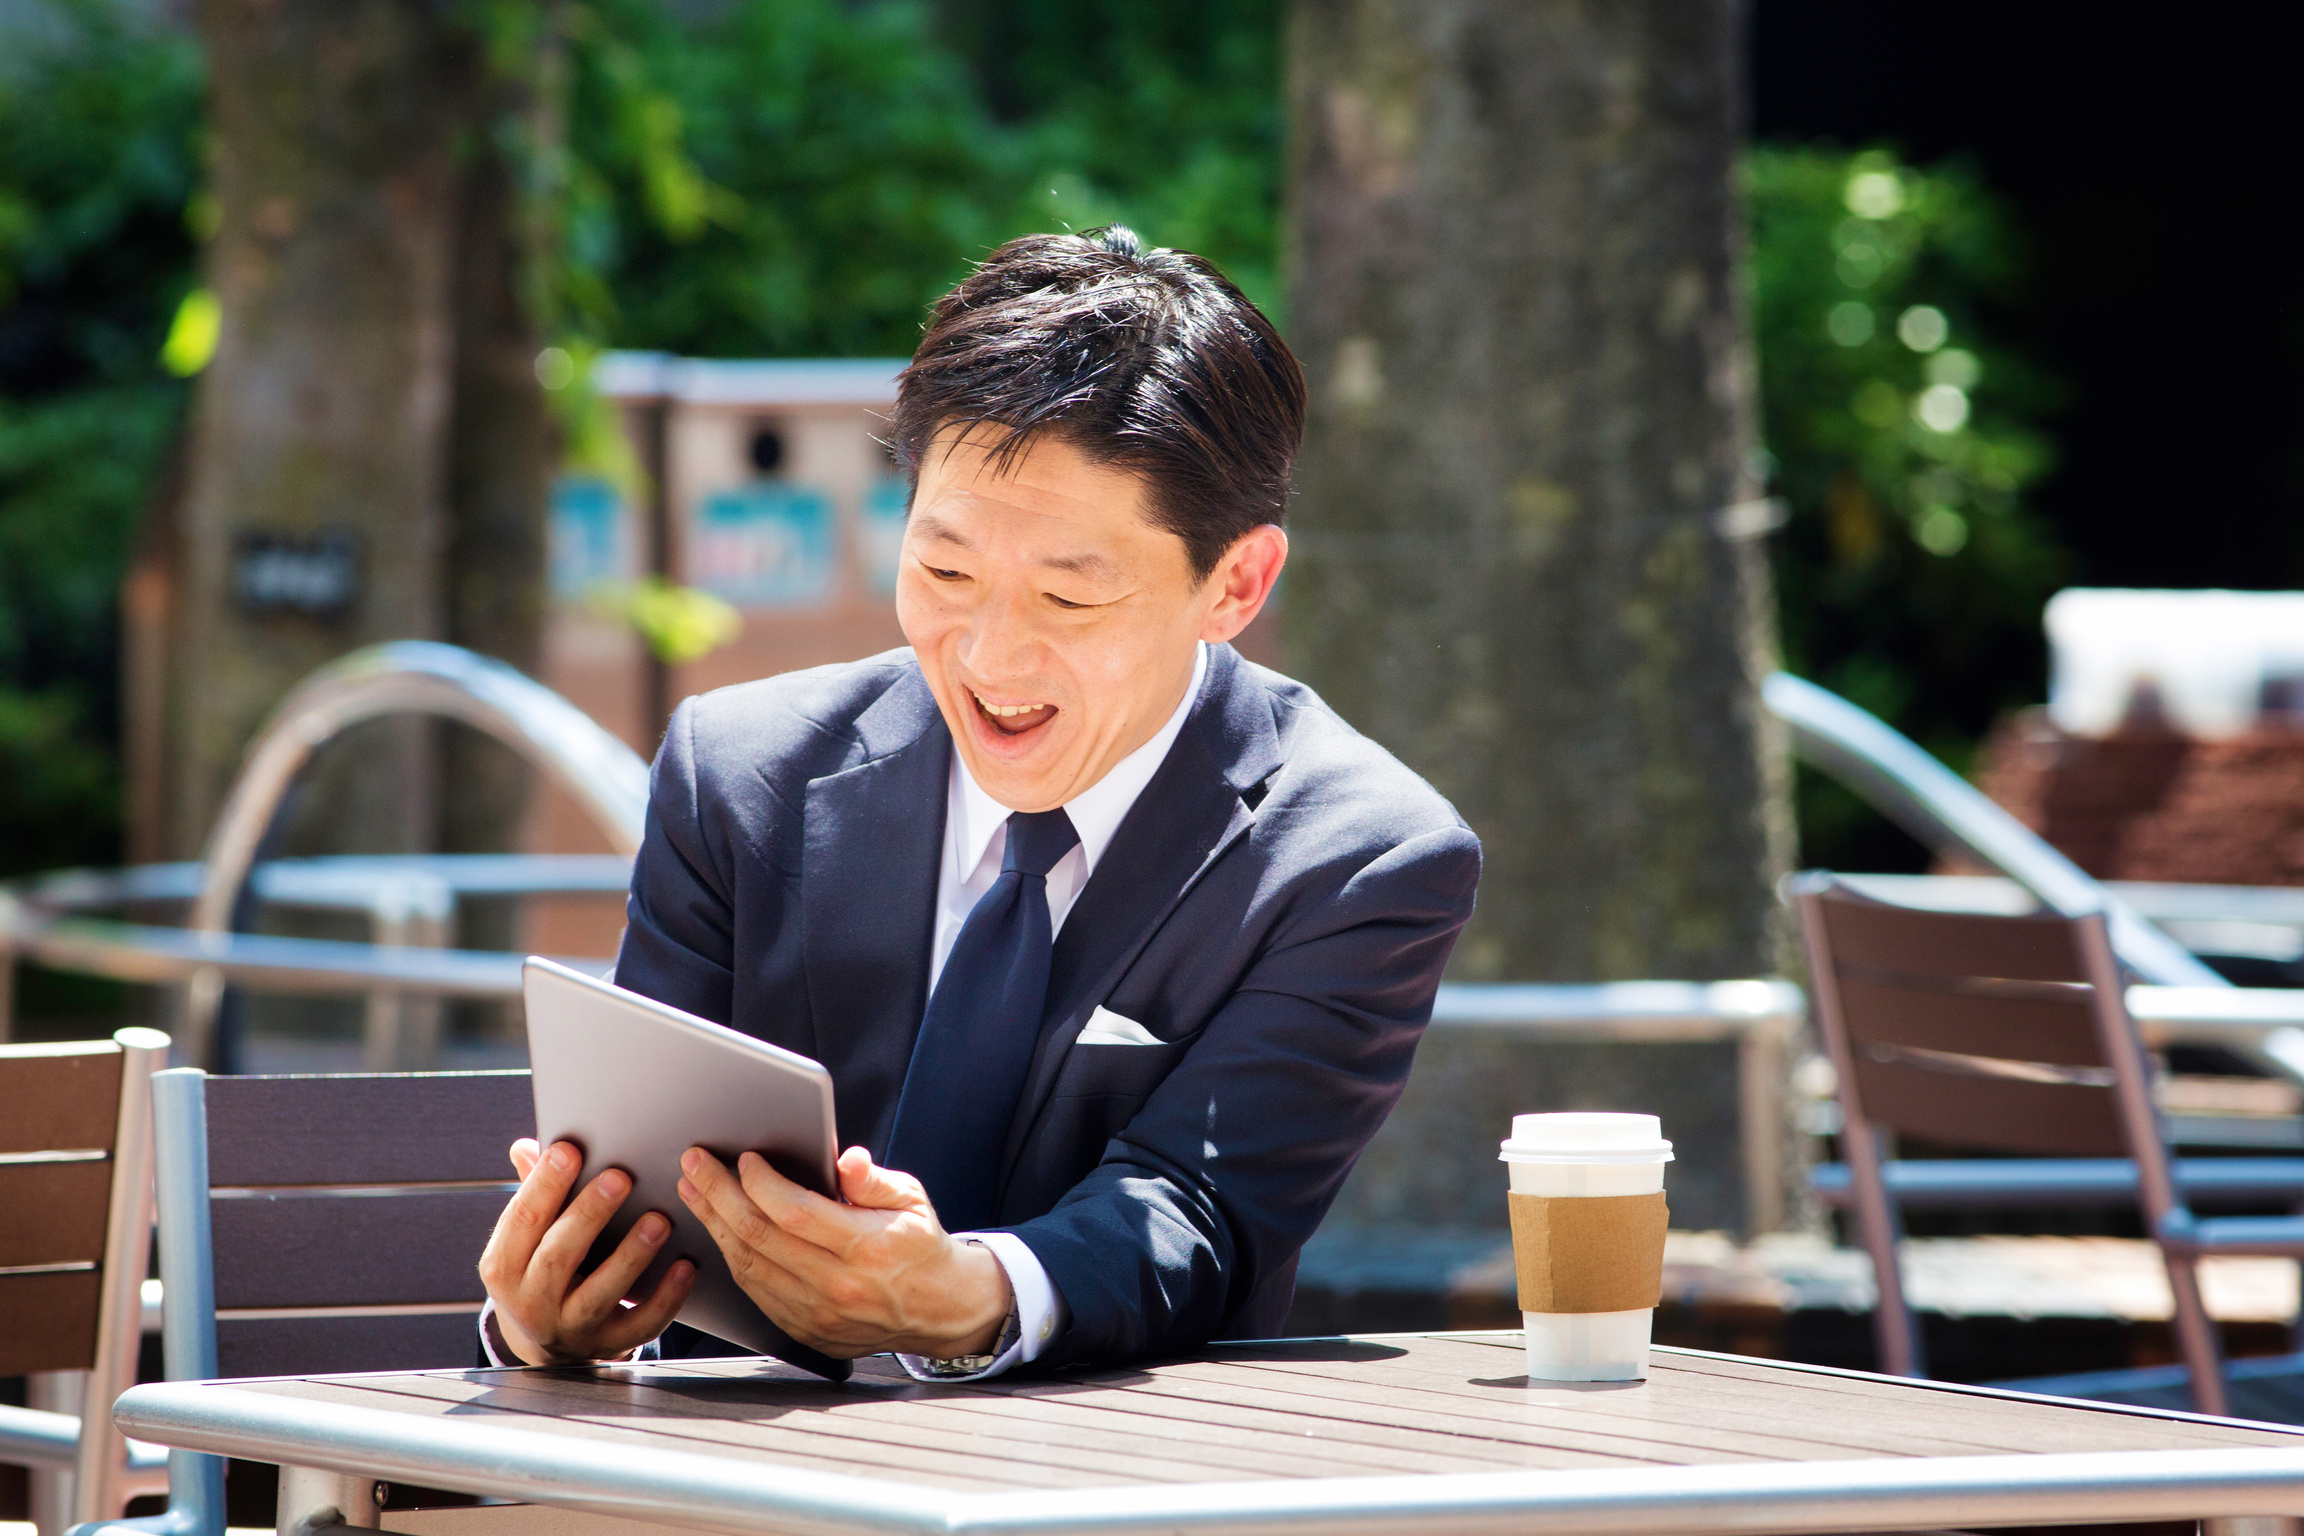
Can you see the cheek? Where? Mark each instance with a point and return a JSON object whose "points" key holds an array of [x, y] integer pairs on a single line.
{"points": [[923, 611]]}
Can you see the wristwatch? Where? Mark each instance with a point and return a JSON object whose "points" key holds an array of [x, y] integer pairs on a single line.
{"points": [[973, 1365]]}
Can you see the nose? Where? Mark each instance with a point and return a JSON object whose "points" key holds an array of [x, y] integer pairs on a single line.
{"points": [[1003, 640]]}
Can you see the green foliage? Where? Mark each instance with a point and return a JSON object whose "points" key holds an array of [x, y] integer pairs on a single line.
{"points": [[803, 177], [1911, 576], [98, 150], [790, 177], [1166, 117]]}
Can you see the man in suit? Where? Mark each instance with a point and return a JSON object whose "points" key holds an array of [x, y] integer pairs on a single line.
{"points": [[1117, 947]]}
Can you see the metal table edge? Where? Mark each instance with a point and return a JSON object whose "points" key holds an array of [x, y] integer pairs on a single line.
{"points": [[741, 1498]]}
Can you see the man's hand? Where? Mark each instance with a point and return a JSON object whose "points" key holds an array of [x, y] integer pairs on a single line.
{"points": [[529, 1265], [879, 1273]]}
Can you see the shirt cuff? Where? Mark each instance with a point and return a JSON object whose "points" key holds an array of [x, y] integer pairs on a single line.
{"points": [[1040, 1311], [499, 1353], [491, 1337]]}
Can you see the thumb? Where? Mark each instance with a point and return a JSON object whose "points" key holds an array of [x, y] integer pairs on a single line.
{"points": [[866, 1184]]}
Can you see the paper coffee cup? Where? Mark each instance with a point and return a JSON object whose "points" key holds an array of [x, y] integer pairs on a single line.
{"points": [[1588, 1221]]}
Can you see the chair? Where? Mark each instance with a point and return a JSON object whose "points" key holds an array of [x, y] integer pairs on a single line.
{"points": [[320, 1224], [75, 1236], [2004, 1034]]}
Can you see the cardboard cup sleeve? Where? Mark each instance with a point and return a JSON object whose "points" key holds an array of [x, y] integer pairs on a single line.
{"points": [[1592, 1253]]}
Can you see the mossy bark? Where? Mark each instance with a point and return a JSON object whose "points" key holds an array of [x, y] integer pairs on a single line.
{"points": [[1514, 284]]}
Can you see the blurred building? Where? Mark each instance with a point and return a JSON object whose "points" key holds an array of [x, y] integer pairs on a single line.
{"points": [[2172, 746]]}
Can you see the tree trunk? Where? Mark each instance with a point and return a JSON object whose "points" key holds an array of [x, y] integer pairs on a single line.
{"points": [[1514, 287], [1515, 292], [372, 391]]}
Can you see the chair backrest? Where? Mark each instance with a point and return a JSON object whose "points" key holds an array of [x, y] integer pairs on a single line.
{"points": [[73, 1117], [1992, 1033], [342, 1216], [76, 1231]]}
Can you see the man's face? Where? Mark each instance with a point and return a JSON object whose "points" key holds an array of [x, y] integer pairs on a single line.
{"points": [[1054, 623]]}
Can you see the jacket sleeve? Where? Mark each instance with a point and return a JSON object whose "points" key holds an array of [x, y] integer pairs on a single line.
{"points": [[1228, 1167], [679, 936]]}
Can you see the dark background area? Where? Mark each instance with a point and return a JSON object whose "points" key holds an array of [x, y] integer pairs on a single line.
{"points": [[2153, 169]]}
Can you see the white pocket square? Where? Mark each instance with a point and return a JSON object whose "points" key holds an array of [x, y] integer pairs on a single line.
{"points": [[1104, 1027]]}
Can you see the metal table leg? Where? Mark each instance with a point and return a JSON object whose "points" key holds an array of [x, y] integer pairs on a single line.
{"points": [[312, 1501]]}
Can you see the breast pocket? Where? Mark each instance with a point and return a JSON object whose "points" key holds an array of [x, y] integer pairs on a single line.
{"points": [[1115, 1056]]}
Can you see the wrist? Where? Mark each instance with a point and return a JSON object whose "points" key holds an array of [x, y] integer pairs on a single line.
{"points": [[987, 1301], [517, 1344]]}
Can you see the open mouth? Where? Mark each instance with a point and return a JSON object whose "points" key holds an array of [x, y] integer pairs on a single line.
{"points": [[1012, 719]]}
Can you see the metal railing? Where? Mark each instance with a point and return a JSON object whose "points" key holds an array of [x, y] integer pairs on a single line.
{"points": [[48, 920], [410, 677]]}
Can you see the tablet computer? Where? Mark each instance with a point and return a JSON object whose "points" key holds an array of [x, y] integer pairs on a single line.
{"points": [[636, 1084]]}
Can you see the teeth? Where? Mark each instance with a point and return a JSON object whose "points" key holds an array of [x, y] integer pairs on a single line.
{"points": [[1006, 710]]}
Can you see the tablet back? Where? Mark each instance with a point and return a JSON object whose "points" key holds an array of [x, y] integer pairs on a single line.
{"points": [[636, 1084]]}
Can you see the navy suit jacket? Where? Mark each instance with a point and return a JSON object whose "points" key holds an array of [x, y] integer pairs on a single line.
{"points": [[1276, 908]]}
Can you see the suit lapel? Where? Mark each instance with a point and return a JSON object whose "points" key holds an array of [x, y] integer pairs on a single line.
{"points": [[872, 857], [1185, 819]]}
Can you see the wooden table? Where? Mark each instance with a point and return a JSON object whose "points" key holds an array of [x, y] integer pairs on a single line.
{"points": [[1428, 1434]]}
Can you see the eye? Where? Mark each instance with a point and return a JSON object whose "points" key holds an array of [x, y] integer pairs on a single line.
{"points": [[1065, 602], [941, 574]]}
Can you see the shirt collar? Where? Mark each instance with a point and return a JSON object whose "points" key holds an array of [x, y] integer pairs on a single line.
{"points": [[1096, 811]]}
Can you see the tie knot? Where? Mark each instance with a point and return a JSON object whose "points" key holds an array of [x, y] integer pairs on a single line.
{"points": [[1037, 839]]}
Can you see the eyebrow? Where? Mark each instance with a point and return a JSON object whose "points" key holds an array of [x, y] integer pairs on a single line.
{"points": [[1086, 563]]}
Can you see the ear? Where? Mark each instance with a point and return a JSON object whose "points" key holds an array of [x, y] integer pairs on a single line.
{"points": [[1243, 580]]}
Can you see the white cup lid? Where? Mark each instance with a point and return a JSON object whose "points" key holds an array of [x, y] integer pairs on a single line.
{"points": [[1586, 1138]]}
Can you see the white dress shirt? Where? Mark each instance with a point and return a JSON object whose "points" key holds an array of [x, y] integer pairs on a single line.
{"points": [[975, 845]]}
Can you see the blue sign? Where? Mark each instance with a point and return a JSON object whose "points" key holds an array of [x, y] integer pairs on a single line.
{"points": [[886, 506], [590, 537], [765, 545]]}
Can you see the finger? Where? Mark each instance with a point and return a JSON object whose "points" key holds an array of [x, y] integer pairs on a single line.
{"points": [[525, 1154], [595, 1301], [552, 1272], [756, 1272], [802, 1213], [528, 1215], [711, 1178], [865, 1183], [653, 1313]]}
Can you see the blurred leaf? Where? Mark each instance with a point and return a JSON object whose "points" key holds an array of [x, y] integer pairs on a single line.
{"points": [[679, 623], [192, 334]]}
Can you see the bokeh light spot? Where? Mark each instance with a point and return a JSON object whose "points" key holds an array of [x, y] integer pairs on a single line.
{"points": [[1942, 408], [1875, 194], [1954, 367], [1923, 328], [1941, 531], [555, 369], [1849, 323]]}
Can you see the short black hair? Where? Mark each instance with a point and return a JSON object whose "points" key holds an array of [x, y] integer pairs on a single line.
{"points": [[1147, 361]]}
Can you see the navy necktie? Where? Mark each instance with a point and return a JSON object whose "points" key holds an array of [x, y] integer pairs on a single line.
{"points": [[976, 1042]]}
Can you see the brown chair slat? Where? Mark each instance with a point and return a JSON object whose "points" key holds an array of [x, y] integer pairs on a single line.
{"points": [[1998, 1114], [53, 1213], [297, 1250], [2057, 1030], [311, 1346], [399, 1128], [1949, 944], [48, 1322], [59, 1098]]}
